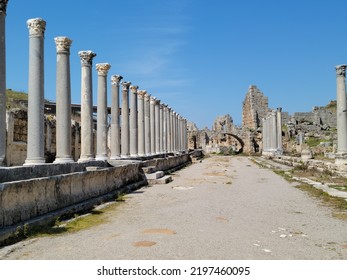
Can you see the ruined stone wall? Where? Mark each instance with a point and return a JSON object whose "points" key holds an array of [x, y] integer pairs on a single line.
{"points": [[254, 108], [17, 132]]}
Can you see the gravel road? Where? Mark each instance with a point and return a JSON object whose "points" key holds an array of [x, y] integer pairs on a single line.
{"points": [[221, 208]]}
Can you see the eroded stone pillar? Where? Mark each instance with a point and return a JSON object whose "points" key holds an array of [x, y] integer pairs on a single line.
{"points": [[101, 130], [148, 150], [341, 111], [3, 6], [169, 140], [36, 132], [133, 122], [63, 101], [141, 122], [115, 118], [152, 120], [125, 151], [87, 137]]}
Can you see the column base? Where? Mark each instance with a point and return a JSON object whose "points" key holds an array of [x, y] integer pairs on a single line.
{"points": [[125, 156], [64, 160], [2, 162], [115, 157], [101, 157], [341, 161], [85, 159], [134, 155], [37, 161]]}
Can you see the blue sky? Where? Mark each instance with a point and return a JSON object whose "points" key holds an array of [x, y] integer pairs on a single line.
{"points": [[198, 56]]}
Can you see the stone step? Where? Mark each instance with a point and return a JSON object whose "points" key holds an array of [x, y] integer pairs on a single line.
{"points": [[148, 169], [161, 181], [155, 175]]}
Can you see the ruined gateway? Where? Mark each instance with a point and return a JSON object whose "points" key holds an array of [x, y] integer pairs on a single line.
{"points": [[316, 129]]}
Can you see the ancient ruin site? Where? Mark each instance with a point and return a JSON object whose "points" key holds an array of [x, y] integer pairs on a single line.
{"points": [[135, 179]]}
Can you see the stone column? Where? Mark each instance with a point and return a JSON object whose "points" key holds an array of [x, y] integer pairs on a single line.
{"points": [[36, 132], [172, 123], [133, 122], [152, 119], [148, 151], [165, 110], [341, 111], [279, 131], [63, 101], [115, 118], [161, 129], [141, 122], [273, 131], [174, 132], [87, 124], [264, 136], [102, 114], [3, 5], [157, 127], [125, 131], [169, 140]]}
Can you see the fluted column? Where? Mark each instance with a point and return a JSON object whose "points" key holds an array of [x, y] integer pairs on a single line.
{"points": [[148, 151], [63, 101], [133, 122], [36, 132], [87, 138], [141, 122], [3, 6], [341, 110], [172, 129], [115, 118], [125, 131], [102, 125], [157, 127], [152, 119]]}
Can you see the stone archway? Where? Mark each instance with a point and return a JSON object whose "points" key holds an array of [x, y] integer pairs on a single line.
{"points": [[239, 140]]}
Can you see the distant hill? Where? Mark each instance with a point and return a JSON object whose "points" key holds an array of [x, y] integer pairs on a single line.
{"points": [[16, 99]]}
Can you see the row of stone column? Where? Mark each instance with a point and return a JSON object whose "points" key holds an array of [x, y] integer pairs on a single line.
{"points": [[144, 128], [272, 133]]}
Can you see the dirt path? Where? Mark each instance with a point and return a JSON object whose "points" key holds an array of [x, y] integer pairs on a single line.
{"points": [[222, 208]]}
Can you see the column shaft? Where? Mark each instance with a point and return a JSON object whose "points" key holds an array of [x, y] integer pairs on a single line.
{"points": [[133, 122], [102, 124], [63, 101], [157, 127], [279, 131], [115, 118], [87, 123], [125, 131], [341, 110], [152, 119], [3, 82], [36, 132], [141, 122], [148, 150]]}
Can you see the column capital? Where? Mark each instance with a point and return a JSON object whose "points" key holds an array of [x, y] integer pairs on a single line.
{"points": [[141, 93], [36, 27], [3, 6], [63, 44], [157, 101], [133, 88], [103, 68], [153, 99], [147, 97], [341, 70], [86, 57], [115, 79], [126, 85]]}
